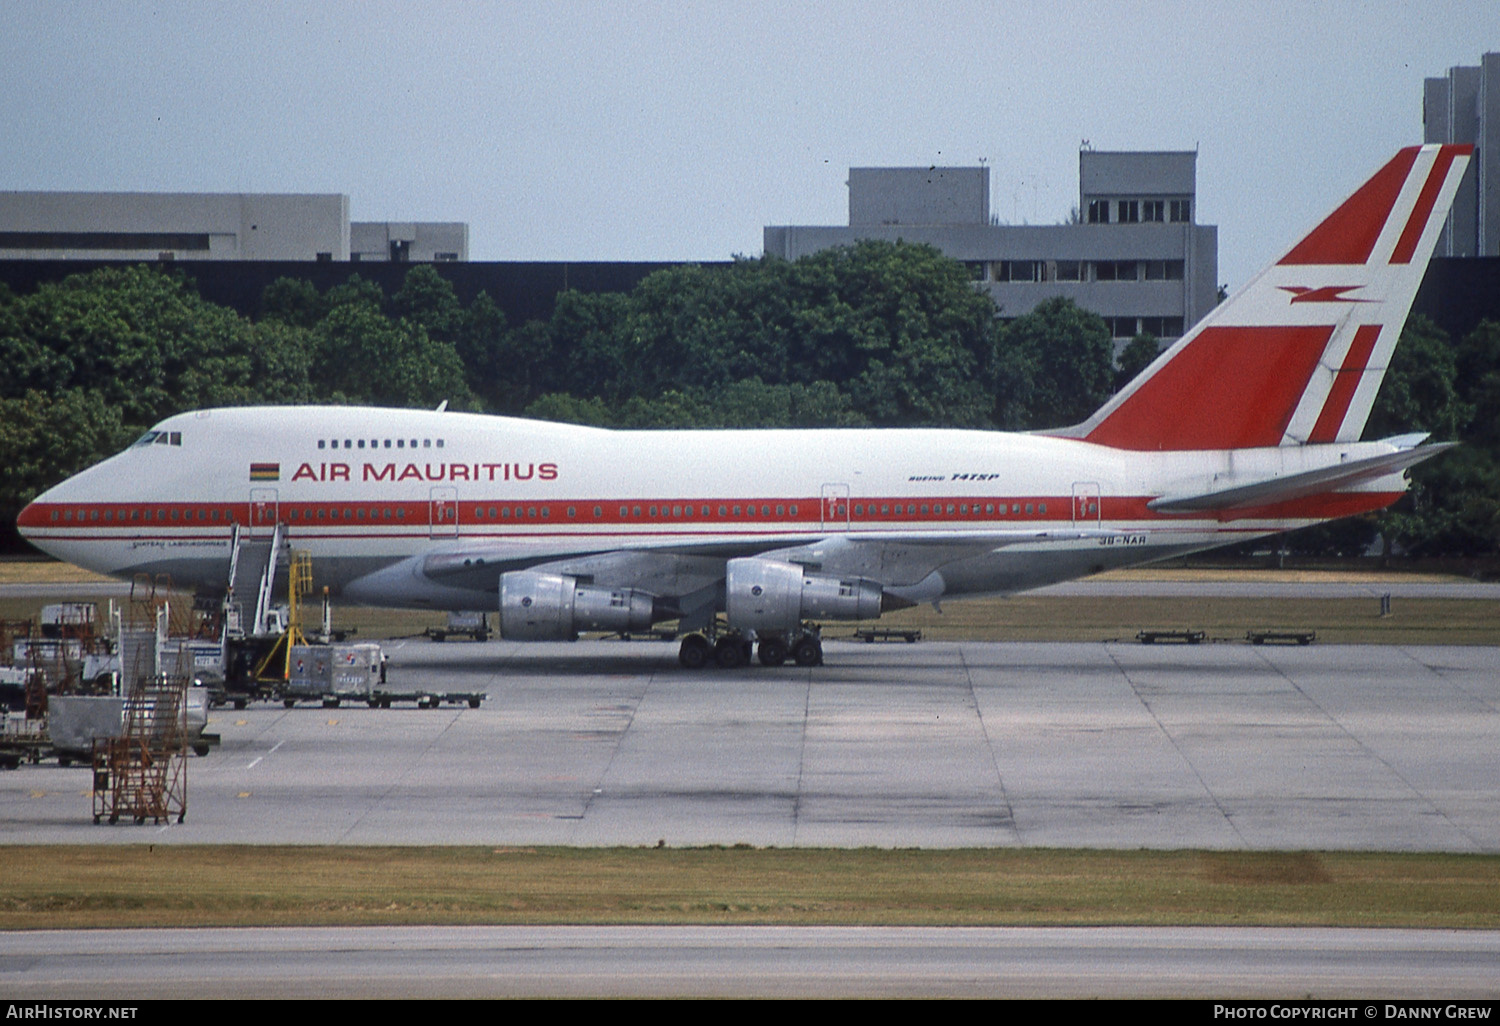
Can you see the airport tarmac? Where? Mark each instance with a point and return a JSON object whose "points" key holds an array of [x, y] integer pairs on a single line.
{"points": [[1226, 746], [759, 961]]}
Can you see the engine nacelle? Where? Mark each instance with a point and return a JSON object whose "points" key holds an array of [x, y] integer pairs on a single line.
{"points": [[553, 607], [767, 595]]}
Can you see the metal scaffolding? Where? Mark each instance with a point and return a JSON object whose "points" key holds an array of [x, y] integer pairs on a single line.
{"points": [[143, 773]]}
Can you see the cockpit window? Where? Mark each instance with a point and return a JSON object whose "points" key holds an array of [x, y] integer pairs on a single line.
{"points": [[159, 438]]}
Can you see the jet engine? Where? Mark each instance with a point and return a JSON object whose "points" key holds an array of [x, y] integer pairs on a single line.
{"points": [[766, 595], [538, 606]]}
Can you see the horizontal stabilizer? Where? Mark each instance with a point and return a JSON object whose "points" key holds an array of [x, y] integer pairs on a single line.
{"points": [[1297, 486]]}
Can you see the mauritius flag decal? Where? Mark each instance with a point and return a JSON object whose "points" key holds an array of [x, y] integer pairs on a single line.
{"points": [[265, 471]]}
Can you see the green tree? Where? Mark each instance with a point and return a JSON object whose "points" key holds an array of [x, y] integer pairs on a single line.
{"points": [[1420, 388], [47, 437], [354, 292], [1135, 357], [428, 299], [1059, 363], [365, 357], [145, 342], [294, 301], [1478, 383]]}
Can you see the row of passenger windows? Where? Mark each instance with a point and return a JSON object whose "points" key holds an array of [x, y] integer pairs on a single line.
{"points": [[446, 512], [381, 443], [205, 516], [384, 513], [963, 509]]}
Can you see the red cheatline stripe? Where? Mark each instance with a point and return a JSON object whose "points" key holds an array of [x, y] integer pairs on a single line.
{"points": [[1412, 233], [1344, 383], [89, 524], [1348, 234]]}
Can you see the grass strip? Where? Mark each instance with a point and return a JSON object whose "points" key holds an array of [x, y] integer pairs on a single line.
{"points": [[51, 886], [1413, 621]]}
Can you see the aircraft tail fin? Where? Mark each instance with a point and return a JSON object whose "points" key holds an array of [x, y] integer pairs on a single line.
{"points": [[1298, 354]]}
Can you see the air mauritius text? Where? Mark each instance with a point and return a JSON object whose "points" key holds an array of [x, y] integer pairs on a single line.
{"points": [[429, 472]]}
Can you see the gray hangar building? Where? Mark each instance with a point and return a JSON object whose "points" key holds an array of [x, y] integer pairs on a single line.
{"points": [[1134, 254]]}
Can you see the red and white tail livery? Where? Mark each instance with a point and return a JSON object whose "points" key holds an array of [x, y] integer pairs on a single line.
{"points": [[1297, 355], [1249, 425]]}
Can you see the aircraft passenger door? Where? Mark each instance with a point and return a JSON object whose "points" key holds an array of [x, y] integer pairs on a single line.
{"points": [[264, 510], [444, 512], [1086, 504], [835, 507]]}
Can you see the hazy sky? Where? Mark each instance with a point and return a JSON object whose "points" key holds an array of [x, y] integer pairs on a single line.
{"points": [[676, 131]]}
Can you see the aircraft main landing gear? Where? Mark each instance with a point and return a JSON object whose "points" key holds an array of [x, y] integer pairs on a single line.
{"points": [[731, 650], [695, 652]]}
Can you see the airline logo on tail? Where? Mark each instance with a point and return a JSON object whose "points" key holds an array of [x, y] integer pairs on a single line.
{"points": [[1297, 356]]}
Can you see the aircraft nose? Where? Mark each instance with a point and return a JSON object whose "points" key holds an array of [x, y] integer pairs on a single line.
{"points": [[30, 519]]}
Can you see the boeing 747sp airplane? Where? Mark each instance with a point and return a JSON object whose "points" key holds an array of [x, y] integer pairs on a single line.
{"points": [[1249, 425]]}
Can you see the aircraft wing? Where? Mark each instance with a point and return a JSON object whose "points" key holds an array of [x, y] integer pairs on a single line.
{"points": [[477, 565], [1297, 486]]}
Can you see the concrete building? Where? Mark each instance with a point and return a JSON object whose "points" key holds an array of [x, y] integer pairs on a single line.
{"points": [[1464, 107], [211, 226], [404, 242], [1136, 256]]}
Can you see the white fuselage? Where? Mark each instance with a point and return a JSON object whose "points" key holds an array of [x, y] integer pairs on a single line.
{"points": [[367, 490]]}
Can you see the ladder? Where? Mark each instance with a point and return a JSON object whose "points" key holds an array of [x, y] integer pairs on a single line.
{"points": [[142, 774]]}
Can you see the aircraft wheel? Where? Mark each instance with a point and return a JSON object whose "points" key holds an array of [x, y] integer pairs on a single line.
{"points": [[731, 653], [808, 651], [772, 651], [694, 652]]}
